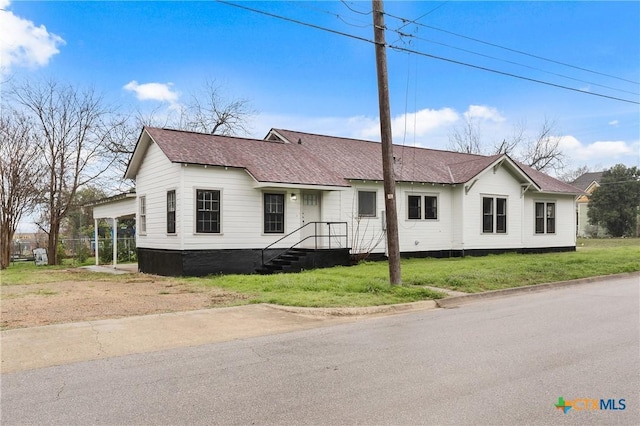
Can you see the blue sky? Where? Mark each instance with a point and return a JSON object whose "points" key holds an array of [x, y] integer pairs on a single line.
{"points": [[152, 55]]}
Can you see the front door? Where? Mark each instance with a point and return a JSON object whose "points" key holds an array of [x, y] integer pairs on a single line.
{"points": [[310, 212]]}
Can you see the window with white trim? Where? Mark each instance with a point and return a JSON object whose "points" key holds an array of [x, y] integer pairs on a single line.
{"points": [[494, 215], [367, 203], [207, 211], [422, 207], [171, 212], [273, 213], [142, 215], [545, 217]]}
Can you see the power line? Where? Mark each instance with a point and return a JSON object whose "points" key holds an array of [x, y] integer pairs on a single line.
{"points": [[336, 15], [295, 21], [398, 48], [354, 10], [424, 14], [512, 62], [403, 49], [407, 21]]}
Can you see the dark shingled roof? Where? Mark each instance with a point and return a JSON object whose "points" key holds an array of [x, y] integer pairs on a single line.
{"points": [[329, 160], [587, 179]]}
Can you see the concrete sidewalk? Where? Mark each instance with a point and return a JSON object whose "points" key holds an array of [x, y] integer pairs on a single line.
{"points": [[39, 347], [46, 346]]}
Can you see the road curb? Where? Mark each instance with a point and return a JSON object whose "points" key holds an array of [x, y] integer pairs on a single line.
{"points": [[452, 302], [358, 311]]}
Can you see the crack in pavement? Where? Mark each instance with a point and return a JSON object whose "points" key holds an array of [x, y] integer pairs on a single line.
{"points": [[97, 338], [60, 389]]}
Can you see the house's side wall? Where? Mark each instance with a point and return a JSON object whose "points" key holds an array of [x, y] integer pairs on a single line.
{"points": [[155, 176], [583, 220], [565, 232], [417, 235], [366, 234], [585, 229], [458, 217], [242, 210], [495, 183]]}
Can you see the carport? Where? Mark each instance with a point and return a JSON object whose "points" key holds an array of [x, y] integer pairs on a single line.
{"points": [[117, 207]]}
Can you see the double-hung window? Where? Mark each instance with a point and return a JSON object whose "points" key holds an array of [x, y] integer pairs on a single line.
{"points": [[494, 215], [207, 211], [171, 212], [422, 207], [273, 213], [142, 213], [545, 218], [367, 203]]}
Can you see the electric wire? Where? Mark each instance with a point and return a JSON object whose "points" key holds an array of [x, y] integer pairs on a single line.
{"points": [[409, 21], [513, 62], [336, 15], [354, 10], [401, 49]]}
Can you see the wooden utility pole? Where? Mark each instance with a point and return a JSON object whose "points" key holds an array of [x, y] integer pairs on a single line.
{"points": [[393, 246]]}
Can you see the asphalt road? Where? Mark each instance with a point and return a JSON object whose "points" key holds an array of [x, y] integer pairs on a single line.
{"points": [[502, 361]]}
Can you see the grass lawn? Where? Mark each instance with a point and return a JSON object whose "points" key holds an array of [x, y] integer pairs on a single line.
{"points": [[366, 284]]}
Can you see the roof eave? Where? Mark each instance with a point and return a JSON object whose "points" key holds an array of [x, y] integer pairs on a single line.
{"points": [[138, 154]]}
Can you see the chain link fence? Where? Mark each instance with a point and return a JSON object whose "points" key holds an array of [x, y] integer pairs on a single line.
{"points": [[80, 249]]}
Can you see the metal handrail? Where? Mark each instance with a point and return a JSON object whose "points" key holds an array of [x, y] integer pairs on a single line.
{"points": [[315, 236]]}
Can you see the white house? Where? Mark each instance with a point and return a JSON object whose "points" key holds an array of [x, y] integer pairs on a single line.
{"points": [[216, 204], [587, 182]]}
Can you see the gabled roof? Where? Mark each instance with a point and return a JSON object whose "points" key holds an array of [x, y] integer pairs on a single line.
{"points": [[290, 157], [586, 180]]}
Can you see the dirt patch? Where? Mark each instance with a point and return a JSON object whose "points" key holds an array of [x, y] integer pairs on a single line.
{"points": [[71, 301]]}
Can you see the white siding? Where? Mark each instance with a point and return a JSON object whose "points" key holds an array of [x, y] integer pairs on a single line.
{"points": [[365, 233], [155, 176], [499, 183], [458, 226], [242, 210], [565, 234], [425, 234], [457, 217]]}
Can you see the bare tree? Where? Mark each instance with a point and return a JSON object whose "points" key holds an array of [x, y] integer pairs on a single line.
{"points": [[466, 138], [19, 173], [541, 152], [70, 130], [209, 111], [510, 145], [571, 175]]}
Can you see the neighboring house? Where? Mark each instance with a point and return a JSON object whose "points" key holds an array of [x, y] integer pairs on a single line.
{"points": [[588, 183], [216, 204]]}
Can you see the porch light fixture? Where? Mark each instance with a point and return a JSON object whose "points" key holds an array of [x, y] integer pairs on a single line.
{"points": [[293, 197]]}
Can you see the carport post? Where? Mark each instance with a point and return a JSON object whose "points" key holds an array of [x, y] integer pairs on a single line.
{"points": [[115, 242], [95, 236]]}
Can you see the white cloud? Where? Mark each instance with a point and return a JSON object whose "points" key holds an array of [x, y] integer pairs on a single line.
{"points": [[614, 123], [410, 126], [153, 91], [599, 150], [484, 112], [23, 44], [423, 123], [414, 124]]}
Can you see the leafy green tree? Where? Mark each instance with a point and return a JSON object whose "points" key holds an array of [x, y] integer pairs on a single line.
{"points": [[614, 204]]}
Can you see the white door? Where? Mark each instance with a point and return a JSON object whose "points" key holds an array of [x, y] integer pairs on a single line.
{"points": [[310, 212]]}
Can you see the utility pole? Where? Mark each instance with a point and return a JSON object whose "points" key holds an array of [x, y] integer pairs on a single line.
{"points": [[393, 246]]}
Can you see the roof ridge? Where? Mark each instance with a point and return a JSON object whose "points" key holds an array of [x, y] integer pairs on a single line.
{"points": [[395, 144], [168, 129]]}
